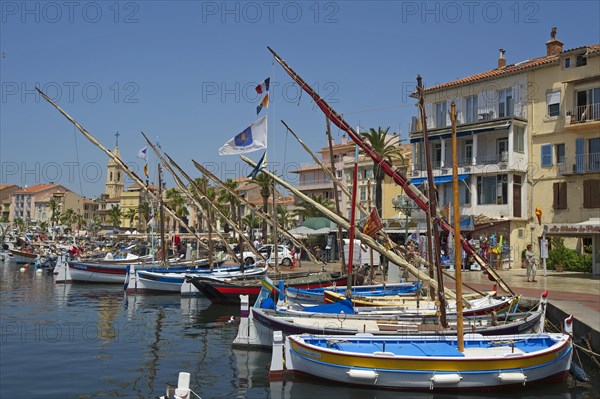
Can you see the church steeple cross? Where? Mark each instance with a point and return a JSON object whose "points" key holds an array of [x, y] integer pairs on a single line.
{"points": [[117, 134]]}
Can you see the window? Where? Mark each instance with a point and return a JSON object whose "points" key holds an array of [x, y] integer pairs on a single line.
{"points": [[553, 100], [471, 109], [467, 198], [505, 103], [502, 148], [363, 193], [340, 174], [440, 114], [581, 60], [560, 195], [567, 62], [437, 155], [546, 155], [559, 152], [588, 104], [519, 139], [591, 193], [468, 152], [492, 190]]}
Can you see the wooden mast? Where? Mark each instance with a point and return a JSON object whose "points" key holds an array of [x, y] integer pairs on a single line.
{"points": [[457, 246], [161, 212], [340, 233], [434, 255]]}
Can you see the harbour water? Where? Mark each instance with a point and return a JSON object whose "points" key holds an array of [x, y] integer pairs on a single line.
{"points": [[92, 341]]}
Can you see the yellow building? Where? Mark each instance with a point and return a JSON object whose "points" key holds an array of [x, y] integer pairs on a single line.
{"points": [[507, 118]]}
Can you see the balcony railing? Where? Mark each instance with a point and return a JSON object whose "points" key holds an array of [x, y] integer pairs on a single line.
{"points": [[585, 113], [587, 163]]}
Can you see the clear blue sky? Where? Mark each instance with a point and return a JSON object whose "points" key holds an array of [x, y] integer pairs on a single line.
{"points": [[185, 70]]}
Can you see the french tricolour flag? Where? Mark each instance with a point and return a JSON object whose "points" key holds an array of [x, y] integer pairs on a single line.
{"points": [[264, 86]]}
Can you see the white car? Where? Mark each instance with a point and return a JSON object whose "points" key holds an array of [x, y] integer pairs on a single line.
{"points": [[284, 256]]}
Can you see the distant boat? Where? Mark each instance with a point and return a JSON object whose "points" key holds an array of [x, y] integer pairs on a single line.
{"points": [[19, 256], [429, 363]]}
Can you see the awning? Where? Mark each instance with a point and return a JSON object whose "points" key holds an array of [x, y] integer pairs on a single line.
{"points": [[463, 133], [438, 179]]}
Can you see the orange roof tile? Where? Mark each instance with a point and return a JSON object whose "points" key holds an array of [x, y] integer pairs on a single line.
{"points": [[511, 69], [39, 187]]}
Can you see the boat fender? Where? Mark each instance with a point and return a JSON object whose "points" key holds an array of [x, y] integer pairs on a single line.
{"points": [[444, 379], [578, 373], [512, 378], [369, 375]]}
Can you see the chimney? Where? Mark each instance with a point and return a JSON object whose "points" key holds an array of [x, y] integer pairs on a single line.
{"points": [[553, 46], [501, 59]]}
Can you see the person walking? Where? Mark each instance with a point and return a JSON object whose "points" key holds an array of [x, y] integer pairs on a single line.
{"points": [[531, 263]]}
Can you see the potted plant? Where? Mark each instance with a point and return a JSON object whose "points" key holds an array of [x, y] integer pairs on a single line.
{"points": [[558, 255]]}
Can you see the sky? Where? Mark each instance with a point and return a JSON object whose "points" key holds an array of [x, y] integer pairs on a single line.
{"points": [[184, 73]]}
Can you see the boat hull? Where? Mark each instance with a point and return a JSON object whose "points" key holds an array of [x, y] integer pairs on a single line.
{"points": [[223, 292], [431, 363]]}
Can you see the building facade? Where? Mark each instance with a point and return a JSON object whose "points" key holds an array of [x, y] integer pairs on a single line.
{"points": [[502, 117]]}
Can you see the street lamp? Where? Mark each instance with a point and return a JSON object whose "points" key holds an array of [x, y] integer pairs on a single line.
{"points": [[403, 203]]}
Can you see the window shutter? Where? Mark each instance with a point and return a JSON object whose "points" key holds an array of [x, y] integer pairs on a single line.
{"points": [[516, 92], [586, 194], [593, 190], [546, 155], [563, 195], [430, 116], [556, 198], [448, 120], [459, 113]]}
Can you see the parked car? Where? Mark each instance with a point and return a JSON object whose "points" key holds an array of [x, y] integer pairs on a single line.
{"points": [[284, 256]]}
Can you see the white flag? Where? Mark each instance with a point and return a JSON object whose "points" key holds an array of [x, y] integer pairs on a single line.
{"points": [[253, 138], [143, 153]]}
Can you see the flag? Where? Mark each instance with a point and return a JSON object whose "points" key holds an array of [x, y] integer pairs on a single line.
{"points": [[414, 236], [264, 86], [538, 214], [143, 153], [253, 138], [260, 165], [263, 103], [373, 224], [146, 170]]}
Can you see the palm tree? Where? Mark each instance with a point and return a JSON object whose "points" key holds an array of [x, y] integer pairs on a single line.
{"points": [[264, 182], [115, 214], [145, 211], [54, 206], [284, 218], [306, 210], [20, 223], [79, 221], [251, 221], [131, 214], [178, 203], [386, 148], [95, 224], [230, 200], [67, 217]]}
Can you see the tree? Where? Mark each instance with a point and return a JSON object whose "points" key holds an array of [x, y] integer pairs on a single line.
{"points": [[230, 201], [95, 224], [79, 221], [306, 210], [178, 203], [67, 217], [115, 214], [386, 148], [131, 215], [20, 223], [54, 206], [144, 210], [264, 182], [284, 218]]}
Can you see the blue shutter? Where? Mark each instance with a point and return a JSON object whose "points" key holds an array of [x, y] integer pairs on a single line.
{"points": [[579, 155], [546, 155]]}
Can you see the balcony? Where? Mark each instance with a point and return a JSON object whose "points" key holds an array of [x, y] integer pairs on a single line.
{"points": [[580, 164], [315, 184], [583, 114]]}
